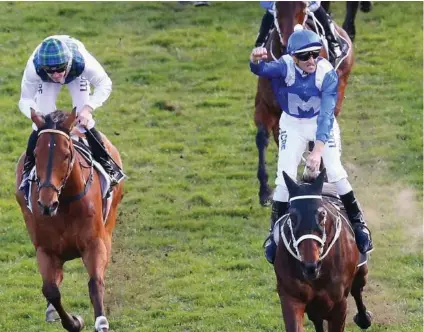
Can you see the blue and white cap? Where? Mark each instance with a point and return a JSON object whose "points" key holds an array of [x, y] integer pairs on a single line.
{"points": [[302, 40]]}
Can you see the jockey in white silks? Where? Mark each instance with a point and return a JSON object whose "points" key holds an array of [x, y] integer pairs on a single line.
{"points": [[62, 60]]}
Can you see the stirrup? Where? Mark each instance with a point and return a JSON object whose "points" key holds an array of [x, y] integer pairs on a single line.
{"points": [[270, 248]]}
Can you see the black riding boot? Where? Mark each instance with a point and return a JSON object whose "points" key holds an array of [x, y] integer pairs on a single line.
{"points": [[333, 44], [29, 161], [266, 26], [356, 218], [277, 211], [101, 156]]}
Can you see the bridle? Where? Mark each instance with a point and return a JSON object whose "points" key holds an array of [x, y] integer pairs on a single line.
{"points": [[321, 240], [47, 183]]}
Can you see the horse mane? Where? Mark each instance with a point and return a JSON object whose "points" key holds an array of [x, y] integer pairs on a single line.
{"points": [[55, 119]]}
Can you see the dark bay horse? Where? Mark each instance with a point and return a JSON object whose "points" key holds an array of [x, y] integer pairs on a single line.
{"points": [[66, 221], [267, 110], [316, 264]]}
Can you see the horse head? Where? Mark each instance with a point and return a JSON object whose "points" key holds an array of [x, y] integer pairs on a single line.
{"points": [[287, 15], [54, 157], [308, 223]]}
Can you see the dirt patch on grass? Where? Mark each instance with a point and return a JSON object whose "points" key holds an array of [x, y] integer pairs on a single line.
{"points": [[389, 209]]}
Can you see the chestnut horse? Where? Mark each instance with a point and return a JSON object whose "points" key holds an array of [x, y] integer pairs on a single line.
{"points": [[66, 221], [317, 260], [267, 110]]}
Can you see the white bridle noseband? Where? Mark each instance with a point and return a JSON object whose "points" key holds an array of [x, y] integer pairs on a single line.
{"points": [[320, 240]]}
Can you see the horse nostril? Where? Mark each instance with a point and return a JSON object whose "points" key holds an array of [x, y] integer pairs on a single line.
{"points": [[310, 268], [54, 206]]}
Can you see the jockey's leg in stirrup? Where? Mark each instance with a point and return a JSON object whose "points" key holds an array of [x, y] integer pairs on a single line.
{"points": [[29, 161], [102, 156], [266, 25], [323, 18]]}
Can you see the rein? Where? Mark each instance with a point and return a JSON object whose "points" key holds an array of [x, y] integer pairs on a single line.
{"points": [[48, 184]]}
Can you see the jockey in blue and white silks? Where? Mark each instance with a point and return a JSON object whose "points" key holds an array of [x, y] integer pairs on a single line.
{"points": [[305, 86]]}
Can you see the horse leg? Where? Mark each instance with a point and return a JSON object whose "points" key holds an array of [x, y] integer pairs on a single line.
{"points": [[338, 317], [51, 270], [363, 317], [349, 21], [293, 312], [51, 313], [318, 324], [262, 141], [95, 258]]}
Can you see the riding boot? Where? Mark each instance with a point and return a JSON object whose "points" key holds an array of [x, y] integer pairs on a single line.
{"points": [[333, 44], [277, 211], [101, 156], [356, 218], [266, 26], [29, 161]]}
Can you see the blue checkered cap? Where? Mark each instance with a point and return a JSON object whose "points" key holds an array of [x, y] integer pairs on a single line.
{"points": [[52, 53]]}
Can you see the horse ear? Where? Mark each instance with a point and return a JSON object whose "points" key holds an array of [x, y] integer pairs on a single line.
{"points": [[291, 185], [37, 118], [319, 181], [70, 120]]}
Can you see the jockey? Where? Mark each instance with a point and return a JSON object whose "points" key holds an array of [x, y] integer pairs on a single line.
{"points": [[306, 89], [267, 24], [62, 60]]}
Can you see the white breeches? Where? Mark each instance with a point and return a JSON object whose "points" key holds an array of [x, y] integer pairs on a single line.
{"points": [[293, 139], [47, 93]]}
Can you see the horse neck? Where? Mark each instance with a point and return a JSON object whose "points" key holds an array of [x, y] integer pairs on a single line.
{"points": [[287, 19]]}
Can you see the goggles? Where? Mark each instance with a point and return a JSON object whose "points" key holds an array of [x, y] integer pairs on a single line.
{"points": [[305, 56]]}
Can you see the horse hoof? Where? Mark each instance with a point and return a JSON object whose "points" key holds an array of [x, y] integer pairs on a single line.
{"points": [[101, 324], [51, 314], [363, 322], [265, 197], [79, 321]]}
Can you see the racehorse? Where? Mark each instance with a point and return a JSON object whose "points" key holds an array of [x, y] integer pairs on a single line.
{"points": [[317, 260], [64, 215], [267, 110]]}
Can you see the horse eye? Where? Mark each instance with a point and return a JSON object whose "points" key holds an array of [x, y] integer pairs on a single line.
{"points": [[67, 156], [322, 213]]}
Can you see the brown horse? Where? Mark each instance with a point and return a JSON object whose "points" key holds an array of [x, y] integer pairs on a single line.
{"points": [[267, 110], [66, 221], [317, 260]]}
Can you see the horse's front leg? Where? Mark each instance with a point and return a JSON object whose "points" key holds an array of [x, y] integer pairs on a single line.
{"points": [[95, 258], [338, 317], [51, 270], [293, 312], [363, 317]]}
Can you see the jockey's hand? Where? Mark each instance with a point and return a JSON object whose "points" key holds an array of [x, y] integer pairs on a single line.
{"points": [[314, 159], [84, 116], [259, 53]]}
